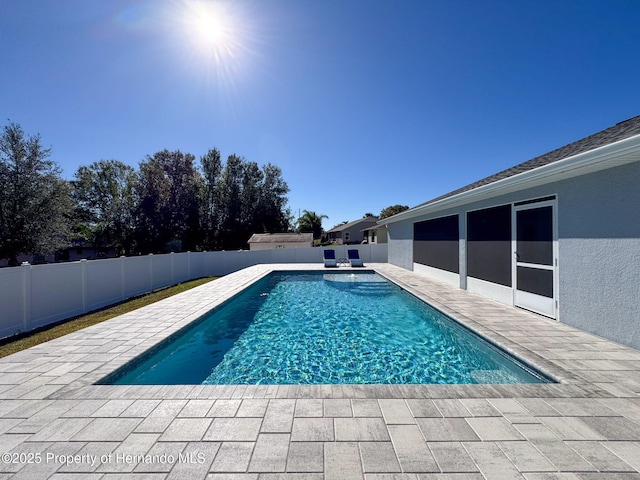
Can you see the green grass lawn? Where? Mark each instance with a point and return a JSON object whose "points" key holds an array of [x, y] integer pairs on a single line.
{"points": [[10, 346]]}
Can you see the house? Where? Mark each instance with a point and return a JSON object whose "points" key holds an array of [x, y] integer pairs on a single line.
{"points": [[375, 234], [558, 235], [270, 241], [351, 232], [81, 249], [33, 259]]}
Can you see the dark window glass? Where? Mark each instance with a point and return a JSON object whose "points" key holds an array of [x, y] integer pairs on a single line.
{"points": [[535, 236], [535, 280], [489, 245], [436, 243]]}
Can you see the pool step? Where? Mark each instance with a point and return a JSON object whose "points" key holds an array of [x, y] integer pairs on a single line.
{"points": [[358, 286]]}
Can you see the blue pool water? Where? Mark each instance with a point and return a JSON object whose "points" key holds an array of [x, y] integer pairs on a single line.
{"points": [[324, 328]]}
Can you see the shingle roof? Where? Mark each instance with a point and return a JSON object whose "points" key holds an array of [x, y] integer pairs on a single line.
{"points": [[367, 220], [281, 238], [620, 131]]}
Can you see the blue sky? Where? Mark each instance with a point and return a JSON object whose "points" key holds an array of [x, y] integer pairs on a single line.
{"points": [[362, 103]]}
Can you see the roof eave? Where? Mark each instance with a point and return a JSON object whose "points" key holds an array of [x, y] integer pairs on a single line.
{"points": [[608, 156]]}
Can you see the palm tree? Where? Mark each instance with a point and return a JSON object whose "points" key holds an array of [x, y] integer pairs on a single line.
{"points": [[311, 222]]}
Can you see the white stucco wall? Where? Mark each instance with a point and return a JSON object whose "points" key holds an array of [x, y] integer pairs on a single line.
{"points": [[400, 245], [599, 228]]}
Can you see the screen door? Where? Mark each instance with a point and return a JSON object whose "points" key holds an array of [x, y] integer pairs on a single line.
{"points": [[535, 258]]}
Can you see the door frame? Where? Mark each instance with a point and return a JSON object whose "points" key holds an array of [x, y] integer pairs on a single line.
{"points": [[524, 299]]}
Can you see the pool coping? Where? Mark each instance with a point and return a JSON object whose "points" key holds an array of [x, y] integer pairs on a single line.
{"points": [[548, 372]]}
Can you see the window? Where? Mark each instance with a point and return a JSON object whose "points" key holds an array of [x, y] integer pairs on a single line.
{"points": [[436, 243], [489, 244]]}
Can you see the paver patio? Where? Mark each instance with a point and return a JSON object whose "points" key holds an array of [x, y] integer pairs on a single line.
{"points": [[56, 423]]}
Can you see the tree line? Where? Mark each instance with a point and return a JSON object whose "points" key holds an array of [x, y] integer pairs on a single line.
{"points": [[171, 202]]}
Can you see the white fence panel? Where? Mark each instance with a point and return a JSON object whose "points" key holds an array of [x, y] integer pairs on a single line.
{"points": [[232, 262], [12, 301], [161, 270], [103, 282], [137, 275], [181, 267], [379, 253], [256, 257], [36, 295], [310, 255], [198, 264], [57, 292], [213, 263], [245, 258]]}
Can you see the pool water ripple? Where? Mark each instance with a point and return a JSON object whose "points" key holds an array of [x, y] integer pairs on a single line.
{"points": [[337, 328]]}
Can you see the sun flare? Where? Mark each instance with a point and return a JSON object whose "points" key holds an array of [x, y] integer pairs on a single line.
{"points": [[218, 42], [212, 28]]}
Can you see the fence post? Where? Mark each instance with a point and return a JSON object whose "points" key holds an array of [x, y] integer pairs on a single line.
{"points": [[122, 277], [26, 296], [172, 256], [151, 272], [189, 265], [83, 282]]}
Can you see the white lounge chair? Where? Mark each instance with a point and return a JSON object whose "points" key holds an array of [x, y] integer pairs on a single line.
{"points": [[329, 258], [354, 258]]}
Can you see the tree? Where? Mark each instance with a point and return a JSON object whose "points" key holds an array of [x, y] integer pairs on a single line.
{"points": [[272, 213], [105, 201], [35, 202], [250, 193], [392, 210], [169, 207], [248, 200], [311, 222], [231, 204], [210, 203]]}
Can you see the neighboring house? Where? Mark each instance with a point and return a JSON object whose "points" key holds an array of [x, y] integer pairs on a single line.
{"points": [[81, 249], [270, 241], [32, 259], [558, 235], [351, 232], [375, 234]]}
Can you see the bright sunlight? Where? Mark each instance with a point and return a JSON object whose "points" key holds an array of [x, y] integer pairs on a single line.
{"points": [[218, 41], [212, 28]]}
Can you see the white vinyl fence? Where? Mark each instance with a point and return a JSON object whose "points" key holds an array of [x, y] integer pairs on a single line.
{"points": [[33, 296]]}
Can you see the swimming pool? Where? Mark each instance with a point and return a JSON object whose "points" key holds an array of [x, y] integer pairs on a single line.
{"points": [[324, 328]]}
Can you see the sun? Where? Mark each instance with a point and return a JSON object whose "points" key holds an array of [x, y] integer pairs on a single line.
{"points": [[218, 42], [212, 28]]}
